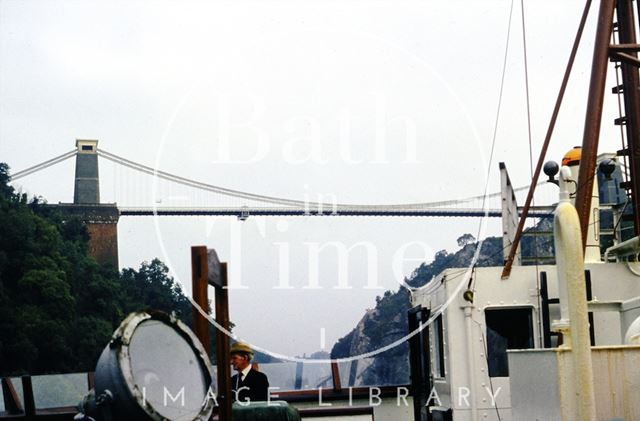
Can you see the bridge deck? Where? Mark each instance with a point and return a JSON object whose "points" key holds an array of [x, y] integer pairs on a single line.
{"points": [[543, 212]]}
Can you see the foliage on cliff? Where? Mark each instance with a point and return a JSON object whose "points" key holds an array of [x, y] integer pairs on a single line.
{"points": [[387, 322], [58, 307]]}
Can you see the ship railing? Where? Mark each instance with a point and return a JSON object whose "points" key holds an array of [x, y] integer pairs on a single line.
{"points": [[319, 390]]}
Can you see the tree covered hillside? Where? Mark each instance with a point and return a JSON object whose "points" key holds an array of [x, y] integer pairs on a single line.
{"points": [[387, 322], [58, 307]]}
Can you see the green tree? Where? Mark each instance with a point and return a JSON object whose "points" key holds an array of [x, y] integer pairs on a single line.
{"points": [[5, 189], [387, 323], [152, 287], [58, 306], [465, 239]]}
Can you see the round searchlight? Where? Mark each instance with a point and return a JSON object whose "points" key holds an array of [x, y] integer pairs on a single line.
{"points": [[154, 368]]}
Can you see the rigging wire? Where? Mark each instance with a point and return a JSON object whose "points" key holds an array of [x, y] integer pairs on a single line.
{"points": [[526, 74], [495, 127], [528, 101], [497, 120], [526, 84], [556, 110]]}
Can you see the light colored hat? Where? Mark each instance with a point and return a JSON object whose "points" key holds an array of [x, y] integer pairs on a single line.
{"points": [[241, 348]]}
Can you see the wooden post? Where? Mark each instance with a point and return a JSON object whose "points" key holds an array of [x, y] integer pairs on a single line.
{"points": [[207, 270], [199, 275], [222, 346], [27, 395], [12, 402], [91, 380], [335, 374]]}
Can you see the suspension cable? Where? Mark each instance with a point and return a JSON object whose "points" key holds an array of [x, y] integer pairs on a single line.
{"points": [[275, 200], [239, 194], [43, 165]]}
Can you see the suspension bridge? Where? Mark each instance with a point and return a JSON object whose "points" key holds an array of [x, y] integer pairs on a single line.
{"points": [[221, 201]]}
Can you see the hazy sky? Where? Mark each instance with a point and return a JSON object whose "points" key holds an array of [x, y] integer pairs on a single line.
{"points": [[368, 101]]}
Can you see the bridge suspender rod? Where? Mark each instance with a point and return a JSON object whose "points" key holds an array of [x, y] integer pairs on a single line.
{"points": [[310, 207], [286, 202], [197, 184], [43, 165]]}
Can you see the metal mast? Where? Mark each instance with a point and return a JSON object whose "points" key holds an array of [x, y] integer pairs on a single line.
{"points": [[625, 52]]}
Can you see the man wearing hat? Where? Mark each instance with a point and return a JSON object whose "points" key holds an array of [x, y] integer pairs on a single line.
{"points": [[248, 385]]}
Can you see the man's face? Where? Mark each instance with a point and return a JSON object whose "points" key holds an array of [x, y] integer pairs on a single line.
{"points": [[239, 362]]}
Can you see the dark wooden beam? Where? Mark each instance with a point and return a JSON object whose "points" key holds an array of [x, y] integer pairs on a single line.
{"points": [[199, 291], [27, 395], [12, 402], [335, 374], [222, 346]]}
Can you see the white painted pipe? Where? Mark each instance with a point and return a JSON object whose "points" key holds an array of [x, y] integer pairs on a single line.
{"points": [[562, 325], [570, 264], [470, 365]]}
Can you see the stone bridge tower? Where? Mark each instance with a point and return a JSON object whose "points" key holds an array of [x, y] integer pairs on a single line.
{"points": [[101, 219]]}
